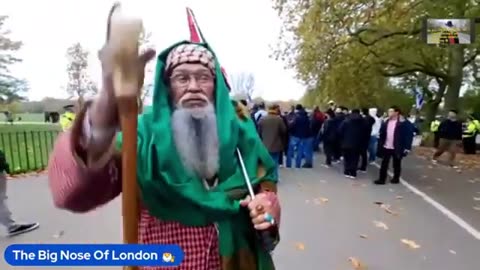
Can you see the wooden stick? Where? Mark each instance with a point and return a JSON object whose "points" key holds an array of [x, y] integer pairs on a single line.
{"points": [[122, 37], [128, 109]]}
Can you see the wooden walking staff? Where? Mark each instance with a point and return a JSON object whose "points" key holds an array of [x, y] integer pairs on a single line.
{"points": [[123, 40]]}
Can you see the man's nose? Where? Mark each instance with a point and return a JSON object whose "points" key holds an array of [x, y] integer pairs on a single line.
{"points": [[193, 85]]}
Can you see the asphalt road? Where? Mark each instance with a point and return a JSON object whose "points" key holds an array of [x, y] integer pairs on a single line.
{"points": [[326, 219]]}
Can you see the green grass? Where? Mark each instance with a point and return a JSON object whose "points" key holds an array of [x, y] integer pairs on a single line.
{"points": [[27, 146], [26, 117]]}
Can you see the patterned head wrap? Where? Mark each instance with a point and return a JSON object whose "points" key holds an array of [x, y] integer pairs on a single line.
{"points": [[190, 53]]}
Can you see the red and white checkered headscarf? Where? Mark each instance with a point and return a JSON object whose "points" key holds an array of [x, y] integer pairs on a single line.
{"points": [[190, 53]]}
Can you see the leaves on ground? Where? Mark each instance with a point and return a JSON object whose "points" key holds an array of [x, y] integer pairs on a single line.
{"points": [[320, 200], [300, 246], [387, 208], [410, 243], [356, 184], [24, 175], [357, 264], [464, 161], [59, 234], [380, 224]]}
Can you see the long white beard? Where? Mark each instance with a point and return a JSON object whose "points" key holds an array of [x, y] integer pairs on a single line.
{"points": [[196, 139]]}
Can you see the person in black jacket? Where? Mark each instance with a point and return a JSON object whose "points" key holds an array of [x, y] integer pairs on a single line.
{"points": [[337, 149], [329, 134], [369, 121], [351, 131], [450, 133], [395, 142]]}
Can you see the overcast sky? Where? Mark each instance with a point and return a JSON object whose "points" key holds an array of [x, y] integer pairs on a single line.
{"points": [[240, 31]]}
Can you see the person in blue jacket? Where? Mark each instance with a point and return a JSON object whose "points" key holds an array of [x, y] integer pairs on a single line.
{"points": [[299, 143]]}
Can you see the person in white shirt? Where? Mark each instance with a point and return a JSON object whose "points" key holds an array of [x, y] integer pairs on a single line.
{"points": [[372, 147], [261, 112]]}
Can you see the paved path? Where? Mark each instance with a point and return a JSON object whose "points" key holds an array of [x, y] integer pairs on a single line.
{"points": [[316, 233]]}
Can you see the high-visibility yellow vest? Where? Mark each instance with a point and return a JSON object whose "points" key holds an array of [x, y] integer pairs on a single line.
{"points": [[470, 130], [66, 120], [434, 125], [477, 124]]}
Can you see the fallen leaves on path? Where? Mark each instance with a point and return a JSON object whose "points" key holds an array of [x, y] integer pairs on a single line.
{"points": [[320, 200], [59, 234], [25, 175], [387, 208], [380, 224], [410, 243], [356, 264], [464, 161], [355, 184], [299, 246]]}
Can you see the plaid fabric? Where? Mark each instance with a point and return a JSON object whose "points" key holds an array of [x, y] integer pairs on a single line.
{"points": [[190, 53], [200, 244]]}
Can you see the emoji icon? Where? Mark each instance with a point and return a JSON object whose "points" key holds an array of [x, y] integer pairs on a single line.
{"points": [[168, 257]]}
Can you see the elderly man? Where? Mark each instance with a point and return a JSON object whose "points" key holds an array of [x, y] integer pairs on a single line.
{"points": [[191, 185]]}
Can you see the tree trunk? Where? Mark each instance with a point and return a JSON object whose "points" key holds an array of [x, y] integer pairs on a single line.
{"points": [[432, 105], [455, 77]]}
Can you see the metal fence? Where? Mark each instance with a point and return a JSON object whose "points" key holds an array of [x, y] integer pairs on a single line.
{"points": [[27, 151]]}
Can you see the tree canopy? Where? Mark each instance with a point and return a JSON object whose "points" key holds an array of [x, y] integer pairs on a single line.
{"points": [[11, 88], [350, 50]]}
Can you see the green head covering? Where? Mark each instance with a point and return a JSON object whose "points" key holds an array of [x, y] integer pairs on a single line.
{"points": [[170, 194]]}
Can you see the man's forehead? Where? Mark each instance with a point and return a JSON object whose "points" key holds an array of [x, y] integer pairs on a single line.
{"points": [[191, 67]]}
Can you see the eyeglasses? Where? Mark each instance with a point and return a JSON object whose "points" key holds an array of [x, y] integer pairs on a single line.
{"points": [[184, 79]]}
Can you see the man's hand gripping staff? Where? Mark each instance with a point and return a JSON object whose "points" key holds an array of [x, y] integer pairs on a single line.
{"points": [[123, 70]]}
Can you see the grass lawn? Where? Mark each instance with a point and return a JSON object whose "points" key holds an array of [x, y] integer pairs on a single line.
{"points": [[27, 145], [26, 117]]}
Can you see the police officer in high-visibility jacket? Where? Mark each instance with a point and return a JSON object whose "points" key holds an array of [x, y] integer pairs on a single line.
{"points": [[66, 120], [469, 134], [434, 129]]}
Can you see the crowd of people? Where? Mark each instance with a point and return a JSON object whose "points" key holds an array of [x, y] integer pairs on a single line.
{"points": [[355, 137]]}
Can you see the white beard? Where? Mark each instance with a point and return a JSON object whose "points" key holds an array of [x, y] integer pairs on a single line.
{"points": [[196, 139]]}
